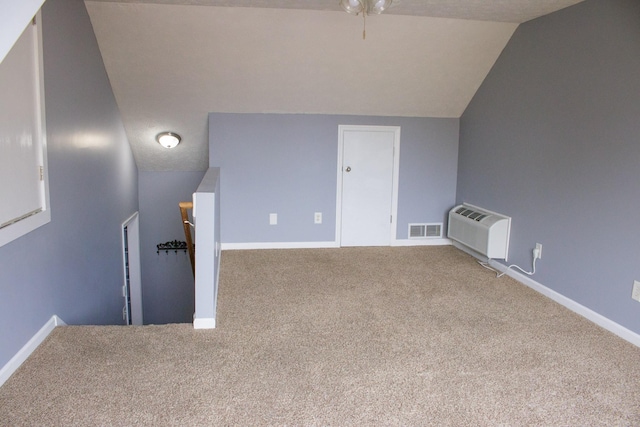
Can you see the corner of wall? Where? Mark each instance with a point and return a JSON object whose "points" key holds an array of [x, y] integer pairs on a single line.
{"points": [[26, 350]]}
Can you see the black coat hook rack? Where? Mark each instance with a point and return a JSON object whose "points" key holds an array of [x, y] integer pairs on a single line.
{"points": [[174, 245]]}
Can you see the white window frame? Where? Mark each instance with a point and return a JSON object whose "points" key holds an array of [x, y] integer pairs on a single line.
{"points": [[20, 227]]}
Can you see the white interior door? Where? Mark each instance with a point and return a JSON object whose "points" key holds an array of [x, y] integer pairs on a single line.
{"points": [[367, 185]]}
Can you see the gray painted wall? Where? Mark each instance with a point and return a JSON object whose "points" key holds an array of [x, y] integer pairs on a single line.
{"points": [[287, 164], [552, 139], [167, 280], [72, 266]]}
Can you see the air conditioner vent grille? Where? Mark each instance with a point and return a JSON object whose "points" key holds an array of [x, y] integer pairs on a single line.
{"points": [[471, 214]]}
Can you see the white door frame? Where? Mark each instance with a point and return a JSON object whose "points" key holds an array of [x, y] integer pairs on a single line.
{"points": [[132, 224], [396, 172]]}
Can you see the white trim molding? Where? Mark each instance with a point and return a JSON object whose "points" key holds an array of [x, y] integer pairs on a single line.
{"points": [[32, 207], [583, 311], [26, 350], [327, 245], [133, 270], [278, 245], [421, 242], [204, 323], [469, 251]]}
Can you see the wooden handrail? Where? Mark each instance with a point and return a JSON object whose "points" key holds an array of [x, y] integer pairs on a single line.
{"points": [[184, 206]]}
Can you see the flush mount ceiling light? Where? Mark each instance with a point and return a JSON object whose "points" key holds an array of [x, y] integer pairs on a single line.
{"points": [[168, 139], [366, 7]]}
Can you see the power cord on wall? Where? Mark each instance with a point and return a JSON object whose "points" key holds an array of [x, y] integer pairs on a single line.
{"points": [[536, 256]]}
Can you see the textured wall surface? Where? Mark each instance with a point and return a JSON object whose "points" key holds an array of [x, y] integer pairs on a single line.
{"points": [[287, 164], [551, 138], [72, 266], [167, 280]]}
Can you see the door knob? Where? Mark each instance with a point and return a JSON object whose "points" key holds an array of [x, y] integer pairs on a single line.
{"points": [[348, 169]]}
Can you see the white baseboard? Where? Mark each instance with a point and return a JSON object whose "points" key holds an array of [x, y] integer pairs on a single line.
{"points": [[583, 311], [324, 245], [278, 245], [421, 242], [26, 350], [468, 250], [204, 323]]}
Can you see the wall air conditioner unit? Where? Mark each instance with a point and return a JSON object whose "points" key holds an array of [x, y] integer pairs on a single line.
{"points": [[483, 231]]}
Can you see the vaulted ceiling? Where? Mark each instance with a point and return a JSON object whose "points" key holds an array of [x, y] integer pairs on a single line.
{"points": [[171, 62]]}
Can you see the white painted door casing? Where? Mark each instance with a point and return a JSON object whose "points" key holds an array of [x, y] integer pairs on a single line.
{"points": [[368, 160], [132, 247]]}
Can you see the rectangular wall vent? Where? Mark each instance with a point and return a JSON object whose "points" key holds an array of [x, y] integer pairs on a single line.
{"points": [[425, 231], [434, 230]]}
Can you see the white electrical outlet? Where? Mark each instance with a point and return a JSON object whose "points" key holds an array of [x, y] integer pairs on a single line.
{"points": [[317, 218], [635, 294], [539, 249], [273, 219]]}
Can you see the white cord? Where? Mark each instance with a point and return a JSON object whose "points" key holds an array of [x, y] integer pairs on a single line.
{"points": [[528, 273], [488, 267], [498, 274]]}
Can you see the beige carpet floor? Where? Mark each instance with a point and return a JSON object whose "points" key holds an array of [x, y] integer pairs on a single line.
{"points": [[340, 337]]}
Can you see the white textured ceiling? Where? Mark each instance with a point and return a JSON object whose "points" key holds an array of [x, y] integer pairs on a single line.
{"points": [[516, 11], [171, 64]]}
